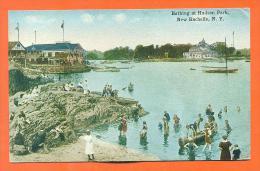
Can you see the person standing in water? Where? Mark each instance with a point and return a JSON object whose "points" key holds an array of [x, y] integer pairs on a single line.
{"points": [[236, 152], [227, 127], [167, 115], [143, 133], [238, 109], [124, 125], [165, 126], [208, 140], [198, 121], [191, 149], [176, 120], [89, 146], [225, 146], [209, 110], [225, 109]]}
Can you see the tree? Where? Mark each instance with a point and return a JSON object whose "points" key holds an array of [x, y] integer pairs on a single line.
{"points": [[119, 53]]}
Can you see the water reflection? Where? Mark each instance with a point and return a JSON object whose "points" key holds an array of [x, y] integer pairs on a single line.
{"points": [[122, 140], [208, 154], [144, 143], [177, 128]]}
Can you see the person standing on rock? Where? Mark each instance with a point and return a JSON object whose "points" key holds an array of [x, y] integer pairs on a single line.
{"points": [[89, 146]]}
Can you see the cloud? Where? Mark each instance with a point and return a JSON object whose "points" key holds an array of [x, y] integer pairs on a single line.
{"points": [[38, 19], [87, 18], [120, 17]]}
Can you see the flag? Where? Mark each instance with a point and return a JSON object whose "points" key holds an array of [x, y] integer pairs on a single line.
{"points": [[62, 25]]}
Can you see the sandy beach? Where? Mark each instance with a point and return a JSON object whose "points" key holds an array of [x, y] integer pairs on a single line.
{"points": [[104, 152]]}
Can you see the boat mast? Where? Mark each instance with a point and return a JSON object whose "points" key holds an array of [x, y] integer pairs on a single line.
{"points": [[226, 52]]}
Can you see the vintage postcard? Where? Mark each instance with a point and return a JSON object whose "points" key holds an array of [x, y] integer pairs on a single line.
{"points": [[129, 85]]}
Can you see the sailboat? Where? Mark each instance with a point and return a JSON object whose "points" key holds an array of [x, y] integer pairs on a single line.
{"points": [[221, 69]]}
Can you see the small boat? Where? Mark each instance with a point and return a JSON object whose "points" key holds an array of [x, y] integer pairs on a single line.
{"points": [[130, 87], [125, 62], [221, 70], [192, 69], [212, 66], [198, 139], [106, 70], [108, 62]]}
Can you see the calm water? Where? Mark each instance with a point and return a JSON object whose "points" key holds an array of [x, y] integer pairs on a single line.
{"points": [[177, 89]]}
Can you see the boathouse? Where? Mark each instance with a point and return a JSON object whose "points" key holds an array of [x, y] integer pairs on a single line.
{"points": [[200, 51], [16, 49], [57, 53]]}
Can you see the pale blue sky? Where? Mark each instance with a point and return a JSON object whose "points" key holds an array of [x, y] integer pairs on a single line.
{"points": [[106, 29]]}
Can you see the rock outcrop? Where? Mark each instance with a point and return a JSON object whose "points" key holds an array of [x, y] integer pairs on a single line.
{"points": [[48, 116], [20, 82]]}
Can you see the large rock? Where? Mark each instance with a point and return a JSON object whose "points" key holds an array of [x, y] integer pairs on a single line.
{"points": [[19, 82], [52, 117]]}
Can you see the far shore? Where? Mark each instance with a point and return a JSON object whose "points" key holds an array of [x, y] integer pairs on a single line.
{"points": [[104, 152], [179, 59]]}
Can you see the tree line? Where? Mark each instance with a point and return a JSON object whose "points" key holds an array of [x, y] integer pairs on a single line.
{"points": [[146, 52], [168, 50]]}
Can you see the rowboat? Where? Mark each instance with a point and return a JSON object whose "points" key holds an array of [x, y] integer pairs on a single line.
{"points": [[198, 139], [221, 70], [106, 70]]}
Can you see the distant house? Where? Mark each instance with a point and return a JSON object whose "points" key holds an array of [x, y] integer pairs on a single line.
{"points": [[201, 50], [16, 49], [57, 53]]}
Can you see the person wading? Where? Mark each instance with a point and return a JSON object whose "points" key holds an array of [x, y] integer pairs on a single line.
{"points": [[124, 125], [225, 146], [236, 152], [191, 149], [208, 139]]}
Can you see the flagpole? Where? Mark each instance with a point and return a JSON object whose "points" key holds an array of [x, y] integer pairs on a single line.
{"points": [[63, 29], [226, 52], [34, 36], [18, 30], [233, 39]]}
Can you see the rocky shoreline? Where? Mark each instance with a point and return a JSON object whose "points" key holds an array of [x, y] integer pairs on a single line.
{"points": [[47, 116]]}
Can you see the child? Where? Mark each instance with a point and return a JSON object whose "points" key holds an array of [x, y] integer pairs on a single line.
{"points": [[236, 152]]}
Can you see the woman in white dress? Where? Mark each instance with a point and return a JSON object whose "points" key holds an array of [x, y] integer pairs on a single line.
{"points": [[89, 146]]}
